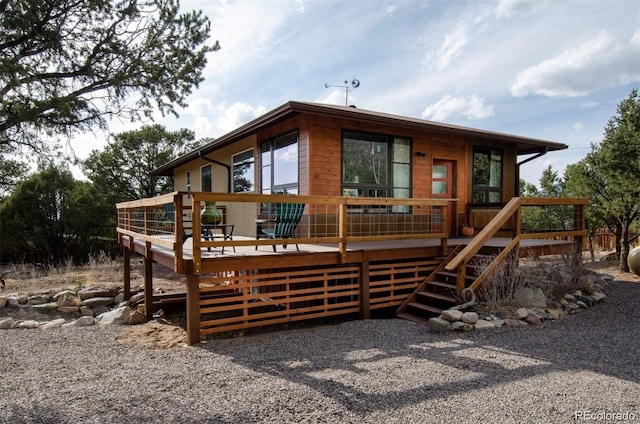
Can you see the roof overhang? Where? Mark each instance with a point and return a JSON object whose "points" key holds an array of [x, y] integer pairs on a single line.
{"points": [[524, 145]]}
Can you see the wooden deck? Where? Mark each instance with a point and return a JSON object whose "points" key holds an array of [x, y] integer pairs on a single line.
{"points": [[349, 260]]}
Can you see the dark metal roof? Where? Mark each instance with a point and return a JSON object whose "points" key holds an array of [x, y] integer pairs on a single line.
{"points": [[525, 145]]}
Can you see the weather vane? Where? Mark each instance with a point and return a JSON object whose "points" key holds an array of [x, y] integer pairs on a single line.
{"points": [[354, 83]]}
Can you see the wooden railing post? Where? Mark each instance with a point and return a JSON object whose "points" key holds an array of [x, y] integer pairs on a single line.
{"points": [[178, 234], [342, 229], [195, 237], [193, 309]]}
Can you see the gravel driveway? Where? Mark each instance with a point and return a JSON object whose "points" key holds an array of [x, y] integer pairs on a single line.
{"points": [[376, 371]]}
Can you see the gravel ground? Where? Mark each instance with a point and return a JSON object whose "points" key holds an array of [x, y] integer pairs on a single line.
{"points": [[382, 371]]}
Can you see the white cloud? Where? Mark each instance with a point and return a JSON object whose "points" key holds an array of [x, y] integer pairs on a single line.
{"points": [[600, 62], [507, 8], [578, 126], [471, 107], [238, 114], [451, 47]]}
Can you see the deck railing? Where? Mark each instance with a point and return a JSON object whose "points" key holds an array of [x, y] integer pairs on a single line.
{"points": [[169, 220], [520, 218]]}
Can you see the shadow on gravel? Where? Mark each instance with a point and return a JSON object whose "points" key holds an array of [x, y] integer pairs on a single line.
{"points": [[407, 364]]}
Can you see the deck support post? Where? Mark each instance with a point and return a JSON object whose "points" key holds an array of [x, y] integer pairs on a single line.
{"points": [[193, 309], [148, 288], [365, 308], [126, 259]]}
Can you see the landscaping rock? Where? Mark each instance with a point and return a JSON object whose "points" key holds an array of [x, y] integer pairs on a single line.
{"points": [[97, 301], [23, 299], [451, 315], [12, 302], [573, 306], [39, 299], [3, 301], [439, 325], [118, 316], [555, 313], [46, 307], [6, 323], [598, 296], [99, 310], [80, 322], [521, 313], [29, 324], [483, 325], [512, 322], [569, 297], [137, 317], [137, 298], [581, 304], [461, 326], [53, 324], [533, 319], [96, 291], [86, 311], [470, 317], [68, 309], [587, 300], [63, 294]]}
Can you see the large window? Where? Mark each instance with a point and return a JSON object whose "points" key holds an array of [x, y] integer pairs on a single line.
{"points": [[487, 175], [205, 178], [243, 172], [375, 165], [279, 162]]}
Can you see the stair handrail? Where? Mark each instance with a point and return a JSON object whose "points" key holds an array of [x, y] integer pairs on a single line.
{"points": [[487, 233]]}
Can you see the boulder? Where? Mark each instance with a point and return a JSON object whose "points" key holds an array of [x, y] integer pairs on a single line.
{"points": [[470, 317], [99, 310], [598, 296], [451, 315], [531, 296], [439, 325], [118, 316]]}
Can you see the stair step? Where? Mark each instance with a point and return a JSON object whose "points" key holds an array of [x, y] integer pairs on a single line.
{"points": [[438, 296], [442, 285], [455, 275], [414, 318], [426, 309]]}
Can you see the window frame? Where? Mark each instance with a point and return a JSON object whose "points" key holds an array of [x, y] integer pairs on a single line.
{"points": [[365, 189], [252, 161], [486, 190], [202, 178], [272, 144]]}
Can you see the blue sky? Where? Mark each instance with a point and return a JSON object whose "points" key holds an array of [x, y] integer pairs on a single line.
{"points": [[554, 70]]}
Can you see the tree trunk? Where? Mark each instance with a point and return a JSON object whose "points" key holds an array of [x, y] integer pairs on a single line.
{"points": [[624, 246]]}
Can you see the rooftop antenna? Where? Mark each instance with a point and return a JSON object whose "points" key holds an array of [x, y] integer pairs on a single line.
{"points": [[354, 83]]}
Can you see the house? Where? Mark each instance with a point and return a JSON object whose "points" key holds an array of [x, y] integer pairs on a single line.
{"points": [[381, 200], [327, 150]]}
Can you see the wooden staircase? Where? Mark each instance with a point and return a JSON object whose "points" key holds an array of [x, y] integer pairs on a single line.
{"points": [[439, 291]]}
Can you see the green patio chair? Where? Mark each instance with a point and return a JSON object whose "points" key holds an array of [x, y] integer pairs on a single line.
{"points": [[286, 220]]}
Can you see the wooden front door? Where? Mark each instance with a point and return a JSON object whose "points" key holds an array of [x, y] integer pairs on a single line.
{"points": [[442, 187]]}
